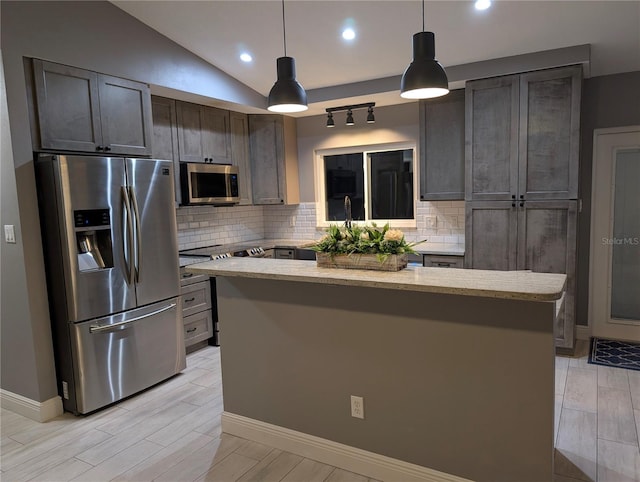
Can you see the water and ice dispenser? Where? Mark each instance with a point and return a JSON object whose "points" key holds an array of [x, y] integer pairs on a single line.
{"points": [[93, 239]]}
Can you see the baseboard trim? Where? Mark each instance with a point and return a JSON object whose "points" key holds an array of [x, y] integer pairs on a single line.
{"points": [[38, 411], [583, 332], [332, 453]]}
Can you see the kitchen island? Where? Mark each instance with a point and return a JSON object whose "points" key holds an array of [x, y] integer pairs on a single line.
{"points": [[455, 367]]}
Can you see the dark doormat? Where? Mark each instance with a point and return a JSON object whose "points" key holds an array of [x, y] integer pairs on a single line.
{"points": [[612, 353]]}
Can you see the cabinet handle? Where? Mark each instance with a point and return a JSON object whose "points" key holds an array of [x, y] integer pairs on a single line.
{"points": [[191, 330], [513, 196], [107, 148], [522, 204], [187, 275], [521, 196], [189, 300], [513, 205], [99, 148], [443, 265]]}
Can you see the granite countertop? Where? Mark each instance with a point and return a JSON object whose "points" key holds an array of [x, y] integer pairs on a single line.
{"points": [[519, 285]]}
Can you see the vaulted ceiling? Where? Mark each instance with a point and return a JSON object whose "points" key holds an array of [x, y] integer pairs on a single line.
{"points": [[219, 31]]}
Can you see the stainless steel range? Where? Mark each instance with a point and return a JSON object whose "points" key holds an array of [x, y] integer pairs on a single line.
{"points": [[216, 251]]}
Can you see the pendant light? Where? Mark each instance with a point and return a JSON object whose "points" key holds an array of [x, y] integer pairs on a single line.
{"points": [[286, 95], [425, 78]]}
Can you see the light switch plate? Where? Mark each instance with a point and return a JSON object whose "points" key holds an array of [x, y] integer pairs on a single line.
{"points": [[9, 233]]}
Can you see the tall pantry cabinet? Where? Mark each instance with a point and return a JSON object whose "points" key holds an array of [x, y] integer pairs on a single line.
{"points": [[521, 186]]}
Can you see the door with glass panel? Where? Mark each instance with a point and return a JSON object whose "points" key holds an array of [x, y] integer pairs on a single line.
{"points": [[614, 301]]}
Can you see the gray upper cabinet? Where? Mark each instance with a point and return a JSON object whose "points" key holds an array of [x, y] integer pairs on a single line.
{"points": [[523, 135], [550, 133], [442, 145], [239, 126], [80, 110], [274, 160], [165, 135], [491, 148], [203, 133]]}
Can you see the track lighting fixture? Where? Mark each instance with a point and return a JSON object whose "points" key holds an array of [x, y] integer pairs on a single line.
{"points": [[350, 108], [286, 95], [424, 78]]}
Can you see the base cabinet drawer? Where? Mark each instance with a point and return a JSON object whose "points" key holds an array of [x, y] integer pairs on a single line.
{"points": [[195, 298], [434, 261], [197, 327]]}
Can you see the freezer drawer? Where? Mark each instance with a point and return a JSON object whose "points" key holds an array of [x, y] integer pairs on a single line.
{"points": [[119, 355]]}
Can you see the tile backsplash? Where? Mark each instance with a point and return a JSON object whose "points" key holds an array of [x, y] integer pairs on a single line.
{"points": [[207, 225], [436, 221]]}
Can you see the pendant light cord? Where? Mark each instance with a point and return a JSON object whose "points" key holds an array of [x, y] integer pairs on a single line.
{"points": [[284, 31], [422, 13]]}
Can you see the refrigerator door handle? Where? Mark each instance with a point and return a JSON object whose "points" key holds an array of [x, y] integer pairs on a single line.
{"points": [[127, 241], [138, 234], [121, 325]]}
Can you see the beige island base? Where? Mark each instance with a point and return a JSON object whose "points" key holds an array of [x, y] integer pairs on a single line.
{"points": [[455, 367]]}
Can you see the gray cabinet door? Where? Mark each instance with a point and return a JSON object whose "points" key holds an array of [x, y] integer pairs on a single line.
{"points": [[68, 107], [165, 135], [549, 133], [491, 236], [442, 147], [491, 141], [266, 151], [125, 115], [547, 244], [189, 132], [216, 138], [239, 126]]}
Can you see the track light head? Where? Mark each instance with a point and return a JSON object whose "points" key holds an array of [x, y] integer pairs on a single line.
{"points": [[330, 122], [350, 118], [370, 117]]}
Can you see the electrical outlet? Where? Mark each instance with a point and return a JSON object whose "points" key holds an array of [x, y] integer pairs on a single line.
{"points": [[357, 407], [432, 222], [9, 233], [292, 221]]}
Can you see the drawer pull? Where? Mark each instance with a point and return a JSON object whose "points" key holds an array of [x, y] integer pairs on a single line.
{"points": [[189, 300], [191, 330], [187, 275], [444, 265]]}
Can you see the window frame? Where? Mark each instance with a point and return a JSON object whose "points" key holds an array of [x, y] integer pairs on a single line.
{"points": [[365, 150]]}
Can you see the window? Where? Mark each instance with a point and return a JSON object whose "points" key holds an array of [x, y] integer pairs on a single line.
{"points": [[378, 181]]}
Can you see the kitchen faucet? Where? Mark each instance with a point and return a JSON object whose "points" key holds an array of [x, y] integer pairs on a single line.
{"points": [[347, 212]]}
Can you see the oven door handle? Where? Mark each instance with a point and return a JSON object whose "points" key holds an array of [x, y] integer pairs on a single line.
{"points": [[121, 325]]}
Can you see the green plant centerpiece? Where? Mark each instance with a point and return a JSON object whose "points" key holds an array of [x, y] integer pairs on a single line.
{"points": [[363, 247]]}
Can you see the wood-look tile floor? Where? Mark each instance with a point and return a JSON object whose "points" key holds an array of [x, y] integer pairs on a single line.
{"points": [[172, 433]]}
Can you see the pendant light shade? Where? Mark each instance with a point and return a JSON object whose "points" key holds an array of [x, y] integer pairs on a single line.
{"points": [[286, 95], [425, 77]]}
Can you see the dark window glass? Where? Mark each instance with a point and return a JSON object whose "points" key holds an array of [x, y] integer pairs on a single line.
{"points": [[391, 184], [344, 176]]}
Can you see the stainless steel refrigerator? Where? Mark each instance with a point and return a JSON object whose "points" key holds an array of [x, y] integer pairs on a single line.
{"points": [[111, 252]]}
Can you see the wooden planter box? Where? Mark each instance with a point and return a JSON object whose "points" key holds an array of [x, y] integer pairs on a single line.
{"points": [[394, 262]]}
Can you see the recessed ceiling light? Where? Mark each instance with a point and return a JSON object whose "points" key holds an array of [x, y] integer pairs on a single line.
{"points": [[245, 57], [348, 34], [482, 4]]}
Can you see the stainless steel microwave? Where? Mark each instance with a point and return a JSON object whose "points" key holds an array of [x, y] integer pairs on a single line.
{"points": [[203, 183]]}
